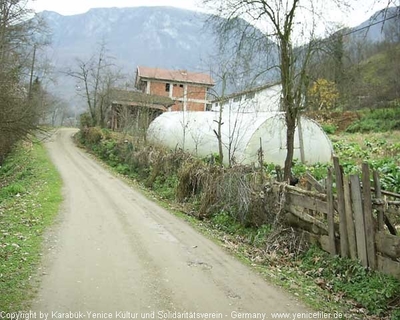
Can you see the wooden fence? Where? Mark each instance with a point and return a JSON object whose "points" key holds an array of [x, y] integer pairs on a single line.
{"points": [[352, 222]]}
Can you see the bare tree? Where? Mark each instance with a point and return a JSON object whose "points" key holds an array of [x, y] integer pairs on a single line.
{"points": [[281, 20], [19, 114], [57, 110], [221, 97], [235, 68], [95, 79]]}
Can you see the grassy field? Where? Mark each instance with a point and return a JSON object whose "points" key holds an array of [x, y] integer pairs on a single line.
{"points": [[380, 150], [30, 196]]}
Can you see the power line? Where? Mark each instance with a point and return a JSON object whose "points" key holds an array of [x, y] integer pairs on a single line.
{"points": [[372, 24]]}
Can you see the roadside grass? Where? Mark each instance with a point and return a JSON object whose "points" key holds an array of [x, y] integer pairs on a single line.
{"points": [[326, 283], [329, 284], [30, 196]]}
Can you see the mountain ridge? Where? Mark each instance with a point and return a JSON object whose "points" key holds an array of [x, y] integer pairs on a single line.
{"points": [[122, 28], [162, 36]]}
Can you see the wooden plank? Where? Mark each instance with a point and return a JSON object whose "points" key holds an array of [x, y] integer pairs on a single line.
{"points": [[311, 238], [314, 182], [314, 225], [307, 202], [351, 234], [388, 244], [321, 240], [297, 190], [389, 225], [392, 203], [344, 243], [325, 243], [331, 220], [368, 218], [387, 210], [388, 193], [378, 196], [388, 266], [356, 200]]}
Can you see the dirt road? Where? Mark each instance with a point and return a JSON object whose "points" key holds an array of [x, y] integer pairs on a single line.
{"points": [[122, 256]]}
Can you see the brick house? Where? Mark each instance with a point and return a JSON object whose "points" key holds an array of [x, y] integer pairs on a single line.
{"points": [[188, 90]]}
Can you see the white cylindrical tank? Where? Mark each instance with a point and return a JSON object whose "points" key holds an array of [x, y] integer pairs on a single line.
{"points": [[195, 132]]}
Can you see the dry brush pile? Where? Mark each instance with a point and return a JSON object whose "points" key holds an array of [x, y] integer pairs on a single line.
{"points": [[210, 188], [229, 197]]}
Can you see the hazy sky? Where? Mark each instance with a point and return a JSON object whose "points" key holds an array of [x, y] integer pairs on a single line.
{"points": [[362, 9], [68, 7]]}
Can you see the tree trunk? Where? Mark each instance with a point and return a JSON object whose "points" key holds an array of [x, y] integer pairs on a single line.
{"points": [[289, 106], [290, 132], [219, 134]]}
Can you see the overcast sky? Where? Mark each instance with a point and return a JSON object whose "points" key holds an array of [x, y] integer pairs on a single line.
{"points": [[362, 9]]}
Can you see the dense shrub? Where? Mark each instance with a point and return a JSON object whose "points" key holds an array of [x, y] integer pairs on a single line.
{"points": [[177, 175], [377, 120], [85, 120], [94, 135], [329, 128]]}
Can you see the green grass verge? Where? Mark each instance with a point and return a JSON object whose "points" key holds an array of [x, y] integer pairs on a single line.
{"points": [[30, 196]]}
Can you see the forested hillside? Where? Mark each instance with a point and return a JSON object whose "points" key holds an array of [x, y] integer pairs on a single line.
{"points": [[351, 72]]}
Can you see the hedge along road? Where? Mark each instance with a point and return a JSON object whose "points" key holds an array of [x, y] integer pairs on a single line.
{"points": [[116, 253]]}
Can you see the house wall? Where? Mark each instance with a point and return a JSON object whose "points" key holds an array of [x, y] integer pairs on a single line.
{"points": [[178, 106], [191, 106], [158, 88], [266, 100], [187, 96], [196, 92], [178, 91], [195, 106]]}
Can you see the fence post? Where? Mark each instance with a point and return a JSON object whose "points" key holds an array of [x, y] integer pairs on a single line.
{"points": [[356, 199], [378, 195], [344, 244], [261, 162], [278, 171], [368, 218], [349, 219], [330, 216]]}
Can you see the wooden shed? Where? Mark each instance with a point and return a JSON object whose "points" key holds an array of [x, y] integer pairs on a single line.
{"points": [[136, 109]]}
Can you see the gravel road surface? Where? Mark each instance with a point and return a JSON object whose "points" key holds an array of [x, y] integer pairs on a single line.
{"points": [[116, 254]]}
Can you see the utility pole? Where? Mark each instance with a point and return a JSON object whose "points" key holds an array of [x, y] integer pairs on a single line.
{"points": [[32, 70]]}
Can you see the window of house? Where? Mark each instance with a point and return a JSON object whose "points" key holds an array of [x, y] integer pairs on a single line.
{"points": [[237, 99], [208, 107], [142, 85], [167, 86], [181, 85]]}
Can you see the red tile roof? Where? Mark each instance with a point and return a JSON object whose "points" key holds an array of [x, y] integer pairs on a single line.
{"points": [[174, 75]]}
